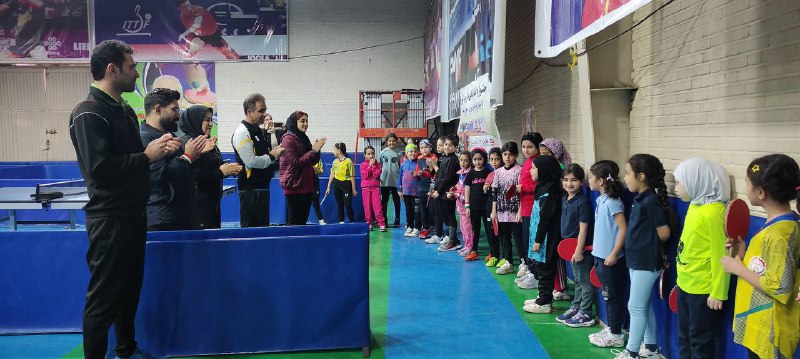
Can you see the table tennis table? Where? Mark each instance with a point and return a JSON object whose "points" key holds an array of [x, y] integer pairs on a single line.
{"points": [[73, 199]]}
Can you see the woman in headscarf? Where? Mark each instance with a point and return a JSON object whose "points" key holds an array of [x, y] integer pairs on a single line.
{"points": [[297, 167], [209, 170], [702, 281], [554, 146]]}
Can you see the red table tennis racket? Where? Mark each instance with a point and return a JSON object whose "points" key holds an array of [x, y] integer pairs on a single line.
{"points": [[594, 278], [496, 227], [510, 192], [737, 222], [490, 178], [673, 299], [566, 248]]}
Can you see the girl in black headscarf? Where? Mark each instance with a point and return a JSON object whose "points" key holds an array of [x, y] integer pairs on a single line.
{"points": [[209, 170], [545, 230]]}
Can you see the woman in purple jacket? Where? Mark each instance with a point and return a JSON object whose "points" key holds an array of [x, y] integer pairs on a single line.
{"points": [[297, 167]]}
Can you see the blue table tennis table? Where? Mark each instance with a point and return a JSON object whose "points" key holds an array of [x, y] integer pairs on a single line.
{"points": [[21, 198]]}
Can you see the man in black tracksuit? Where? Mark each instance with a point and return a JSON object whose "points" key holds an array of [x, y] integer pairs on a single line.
{"points": [[115, 165], [172, 185]]}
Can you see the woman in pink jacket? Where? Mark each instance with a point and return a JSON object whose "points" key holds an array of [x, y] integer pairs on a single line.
{"points": [[297, 167], [371, 188]]}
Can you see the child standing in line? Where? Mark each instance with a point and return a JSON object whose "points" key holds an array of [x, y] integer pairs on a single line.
{"points": [[433, 165], [576, 216], [446, 178], [765, 318], [545, 231], [476, 201], [343, 179], [702, 283], [608, 250], [554, 147], [424, 182], [651, 219], [530, 149], [462, 202], [371, 188], [408, 184], [506, 208], [390, 162], [495, 161]]}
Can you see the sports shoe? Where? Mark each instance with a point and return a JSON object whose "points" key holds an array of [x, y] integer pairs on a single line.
{"points": [[505, 268], [520, 279], [528, 282], [322, 221], [464, 251], [605, 339], [425, 234], [530, 301], [501, 262], [536, 308], [625, 354], [415, 233], [567, 315], [523, 270], [432, 240], [561, 296], [383, 228], [473, 256], [492, 262], [449, 246], [647, 353], [369, 227], [580, 319], [445, 239], [408, 232], [141, 354]]}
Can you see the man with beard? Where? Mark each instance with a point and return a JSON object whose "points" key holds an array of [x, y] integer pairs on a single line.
{"points": [[172, 187], [114, 165]]}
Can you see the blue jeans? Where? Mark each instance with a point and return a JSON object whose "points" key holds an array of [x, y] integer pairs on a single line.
{"points": [[643, 319]]}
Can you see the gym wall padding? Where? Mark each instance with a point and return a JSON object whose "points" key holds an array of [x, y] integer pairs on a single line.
{"points": [[205, 292]]}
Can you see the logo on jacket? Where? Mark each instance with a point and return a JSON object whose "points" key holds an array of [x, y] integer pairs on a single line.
{"points": [[757, 265]]}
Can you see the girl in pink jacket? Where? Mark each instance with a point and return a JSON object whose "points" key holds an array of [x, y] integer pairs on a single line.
{"points": [[371, 188]]}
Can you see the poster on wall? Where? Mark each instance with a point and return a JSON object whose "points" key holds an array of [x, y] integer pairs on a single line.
{"points": [[44, 29], [563, 23], [432, 58], [470, 82], [179, 30], [194, 81]]}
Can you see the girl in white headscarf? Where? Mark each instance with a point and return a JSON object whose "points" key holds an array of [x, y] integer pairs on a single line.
{"points": [[702, 282]]}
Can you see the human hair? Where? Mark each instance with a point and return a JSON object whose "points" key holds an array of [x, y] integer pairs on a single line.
{"points": [[776, 174], [452, 138], [108, 52], [392, 135], [608, 171], [654, 173], [466, 153], [481, 152], [497, 151], [535, 138], [251, 100], [342, 148], [368, 148], [512, 147], [160, 96], [575, 170]]}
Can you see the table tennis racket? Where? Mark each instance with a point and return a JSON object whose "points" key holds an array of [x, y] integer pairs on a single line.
{"points": [[737, 222], [490, 178], [594, 278], [511, 191], [661, 284], [673, 299], [566, 248], [495, 227]]}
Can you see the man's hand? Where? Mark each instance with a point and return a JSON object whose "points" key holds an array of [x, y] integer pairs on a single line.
{"points": [[277, 151], [317, 146], [162, 146], [194, 147], [229, 169]]}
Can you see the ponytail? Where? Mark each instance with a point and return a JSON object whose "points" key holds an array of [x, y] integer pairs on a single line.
{"points": [[608, 171], [654, 176]]}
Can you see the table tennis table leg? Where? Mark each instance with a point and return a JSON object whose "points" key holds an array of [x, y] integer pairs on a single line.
{"points": [[12, 219], [72, 219]]}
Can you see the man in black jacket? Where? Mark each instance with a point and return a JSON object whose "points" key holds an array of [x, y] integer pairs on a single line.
{"points": [[172, 186], [115, 166]]}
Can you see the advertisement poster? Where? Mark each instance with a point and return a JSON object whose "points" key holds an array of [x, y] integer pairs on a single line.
{"points": [[44, 29], [179, 30], [195, 82], [477, 128], [432, 58], [562, 23]]}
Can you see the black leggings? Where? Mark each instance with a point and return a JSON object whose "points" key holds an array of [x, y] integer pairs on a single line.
{"points": [[476, 216], [447, 213], [298, 206], [424, 212], [343, 192], [521, 243], [385, 192], [412, 214], [315, 199], [508, 230]]}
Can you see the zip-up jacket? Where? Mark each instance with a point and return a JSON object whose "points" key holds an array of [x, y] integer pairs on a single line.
{"points": [[251, 146], [172, 186], [447, 176]]}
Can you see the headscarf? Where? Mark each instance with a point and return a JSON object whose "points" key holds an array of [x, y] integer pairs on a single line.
{"points": [[705, 181], [291, 126], [191, 121], [411, 146], [549, 176], [426, 142], [557, 147]]}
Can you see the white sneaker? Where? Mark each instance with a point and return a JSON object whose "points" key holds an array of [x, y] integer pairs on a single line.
{"points": [[528, 282], [645, 353], [414, 233], [432, 240], [538, 309], [625, 354], [561, 296], [321, 221], [523, 270], [529, 301], [445, 239], [505, 269], [605, 339], [408, 232], [520, 279]]}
